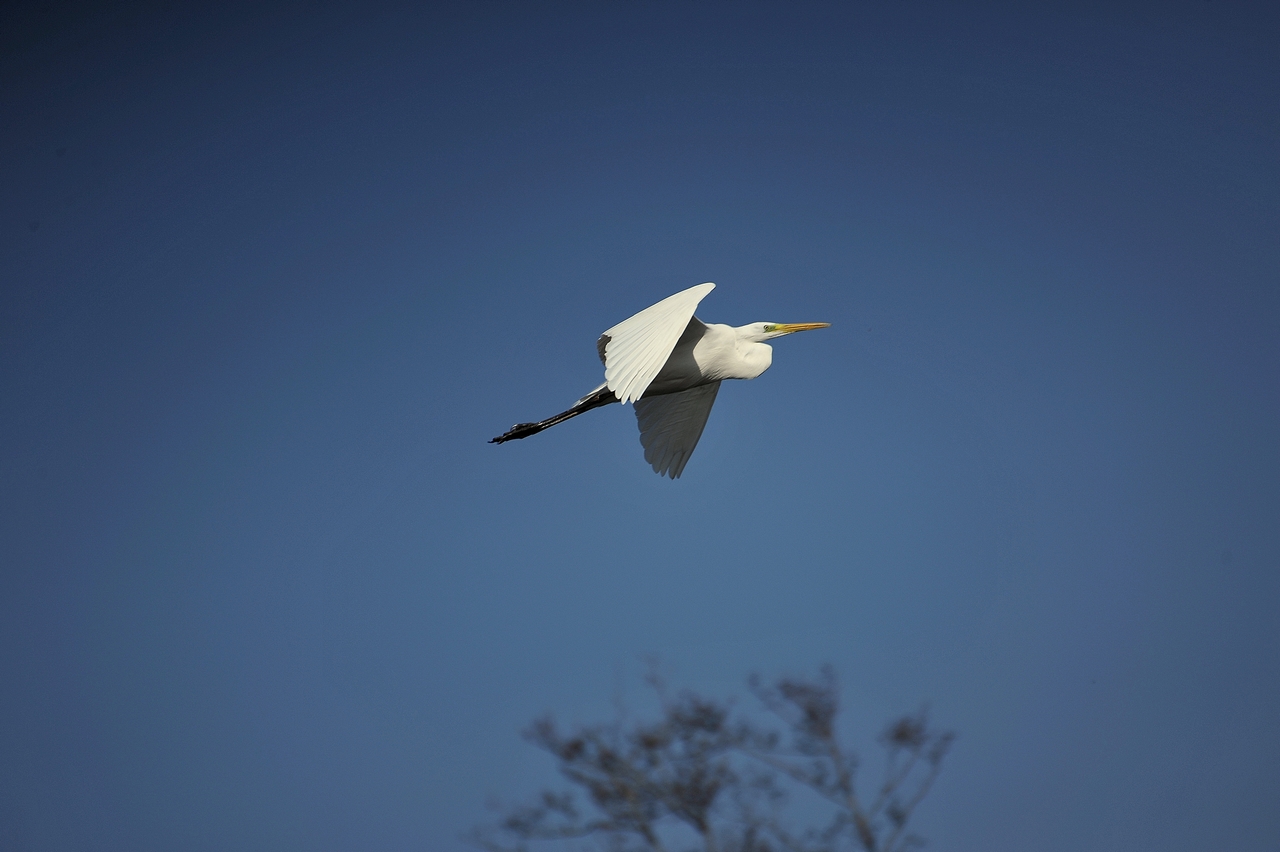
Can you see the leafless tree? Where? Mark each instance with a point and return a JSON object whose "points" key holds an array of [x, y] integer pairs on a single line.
{"points": [[704, 777]]}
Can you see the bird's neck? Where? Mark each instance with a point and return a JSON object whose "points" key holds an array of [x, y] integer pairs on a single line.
{"points": [[756, 358]]}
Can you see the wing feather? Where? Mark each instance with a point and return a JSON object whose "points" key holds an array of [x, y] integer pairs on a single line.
{"points": [[671, 424], [635, 350]]}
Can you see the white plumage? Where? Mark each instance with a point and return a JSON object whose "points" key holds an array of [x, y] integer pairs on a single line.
{"points": [[636, 349], [670, 364], [671, 424]]}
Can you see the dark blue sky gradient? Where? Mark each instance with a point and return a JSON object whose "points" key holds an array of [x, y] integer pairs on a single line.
{"points": [[271, 280]]}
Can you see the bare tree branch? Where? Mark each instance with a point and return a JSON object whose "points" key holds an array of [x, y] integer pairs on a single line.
{"points": [[725, 778]]}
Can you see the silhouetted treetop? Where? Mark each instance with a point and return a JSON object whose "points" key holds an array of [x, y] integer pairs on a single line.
{"points": [[703, 777]]}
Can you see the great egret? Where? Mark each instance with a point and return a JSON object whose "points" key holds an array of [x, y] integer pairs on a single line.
{"points": [[670, 364]]}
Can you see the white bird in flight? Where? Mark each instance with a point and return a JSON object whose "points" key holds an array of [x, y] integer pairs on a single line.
{"points": [[670, 364]]}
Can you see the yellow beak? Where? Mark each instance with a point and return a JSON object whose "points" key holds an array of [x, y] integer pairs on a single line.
{"points": [[792, 327]]}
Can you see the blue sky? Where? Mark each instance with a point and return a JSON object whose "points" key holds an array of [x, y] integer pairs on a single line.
{"points": [[272, 278]]}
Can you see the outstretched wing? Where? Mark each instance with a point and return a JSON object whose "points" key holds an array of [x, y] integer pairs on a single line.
{"points": [[671, 424], [636, 349]]}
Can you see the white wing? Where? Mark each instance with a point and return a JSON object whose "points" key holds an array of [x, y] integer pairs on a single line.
{"points": [[635, 350], [671, 424]]}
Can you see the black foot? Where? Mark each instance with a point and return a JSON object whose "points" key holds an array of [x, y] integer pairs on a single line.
{"points": [[518, 431]]}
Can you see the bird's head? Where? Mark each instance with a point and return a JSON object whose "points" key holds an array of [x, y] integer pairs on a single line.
{"points": [[759, 332]]}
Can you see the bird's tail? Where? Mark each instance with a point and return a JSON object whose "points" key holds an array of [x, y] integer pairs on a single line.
{"points": [[597, 398]]}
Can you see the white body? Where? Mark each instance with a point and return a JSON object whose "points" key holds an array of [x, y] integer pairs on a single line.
{"points": [[710, 353]]}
